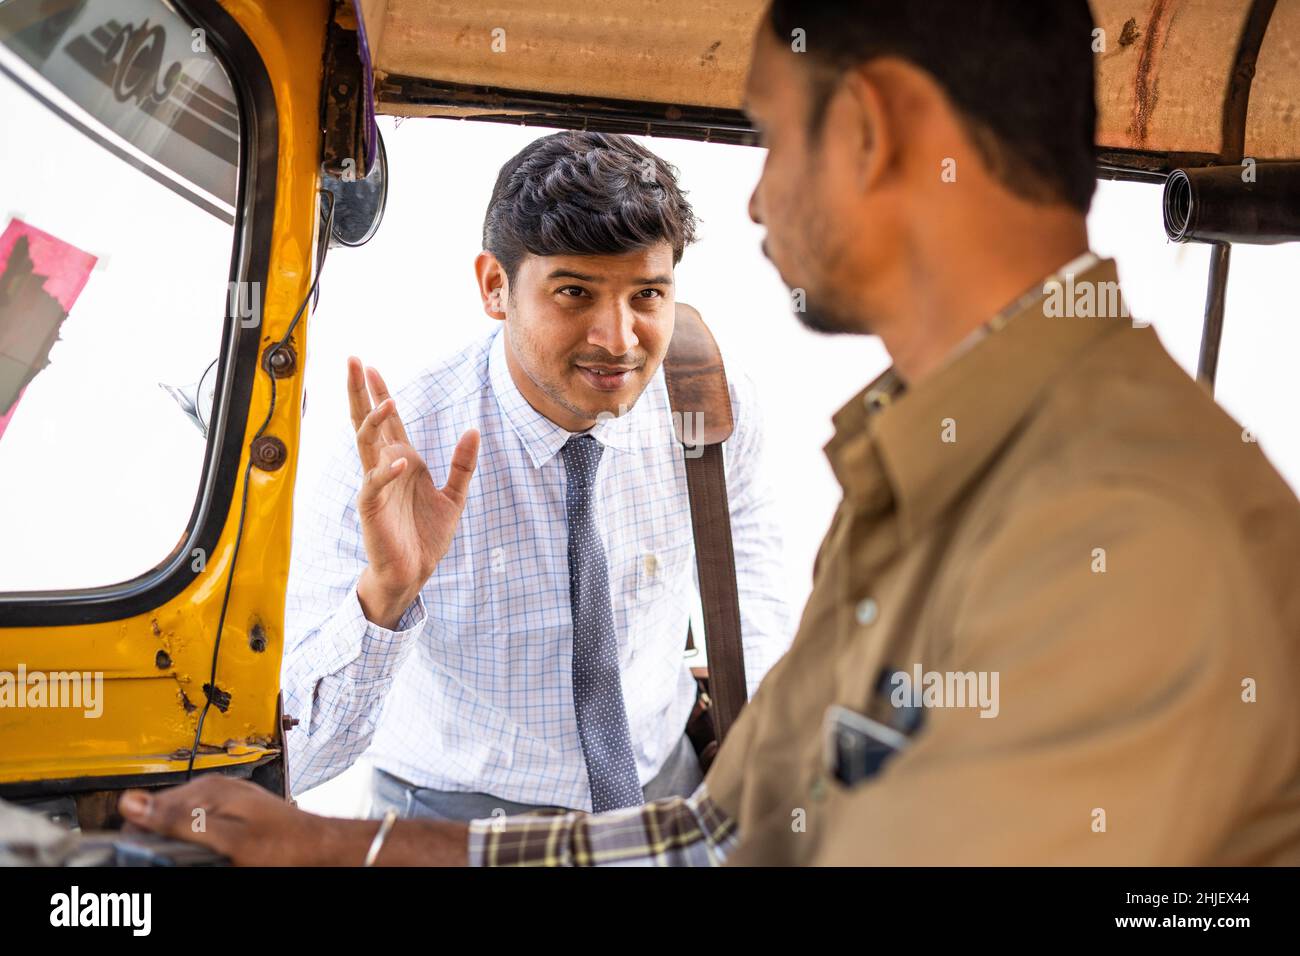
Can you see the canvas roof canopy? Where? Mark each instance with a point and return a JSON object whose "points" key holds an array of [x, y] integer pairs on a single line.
{"points": [[1180, 82]]}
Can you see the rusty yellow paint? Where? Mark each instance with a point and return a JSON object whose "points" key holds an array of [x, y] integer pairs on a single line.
{"points": [[149, 715]]}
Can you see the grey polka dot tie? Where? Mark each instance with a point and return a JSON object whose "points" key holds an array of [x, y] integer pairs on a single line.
{"points": [[597, 688]]}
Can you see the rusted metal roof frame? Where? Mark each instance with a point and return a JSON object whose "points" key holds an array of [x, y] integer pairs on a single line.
{"points": [[647, 118]]}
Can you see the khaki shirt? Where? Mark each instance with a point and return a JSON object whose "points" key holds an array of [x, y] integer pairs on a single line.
{"points": [[1063, 507]]}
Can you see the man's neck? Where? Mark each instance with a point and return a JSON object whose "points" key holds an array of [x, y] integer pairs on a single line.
{"points": [[958, 288]]}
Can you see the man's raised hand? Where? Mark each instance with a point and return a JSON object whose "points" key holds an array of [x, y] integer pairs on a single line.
{"points": [[407, 522]]}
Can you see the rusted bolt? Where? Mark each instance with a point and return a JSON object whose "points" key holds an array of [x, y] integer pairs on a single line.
{"points": [[257, 639], [280, 361], [288, 723], [162, 660], [269, 453]]}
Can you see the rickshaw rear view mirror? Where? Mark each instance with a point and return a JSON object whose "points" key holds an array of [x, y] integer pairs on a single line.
{"points": [[358, 200]]}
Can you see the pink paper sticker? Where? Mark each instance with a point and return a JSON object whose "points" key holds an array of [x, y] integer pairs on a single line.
{"points": [[41, 277]]}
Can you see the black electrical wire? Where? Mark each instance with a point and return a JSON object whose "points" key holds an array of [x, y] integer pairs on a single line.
{"points": [[211, 688]]}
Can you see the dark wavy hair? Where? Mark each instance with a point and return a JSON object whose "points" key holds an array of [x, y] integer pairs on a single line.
{"points": [[583, 193], [1019, 72]]}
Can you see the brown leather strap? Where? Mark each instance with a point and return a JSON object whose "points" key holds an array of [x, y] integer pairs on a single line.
{"points": [[701, 404]]}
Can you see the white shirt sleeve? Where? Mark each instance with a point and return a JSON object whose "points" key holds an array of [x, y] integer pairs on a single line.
{"points": [[766, 624], [338, 666]]}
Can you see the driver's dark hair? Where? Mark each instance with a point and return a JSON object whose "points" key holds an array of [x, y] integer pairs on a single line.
{"points": [[585, 193], [1019, 72]]}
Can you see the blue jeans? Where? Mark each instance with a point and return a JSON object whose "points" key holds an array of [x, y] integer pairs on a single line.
{"points": [[679, 777]]}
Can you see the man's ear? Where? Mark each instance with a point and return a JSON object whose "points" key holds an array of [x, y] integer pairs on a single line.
{"points": [[865, 113], [493, 285]]}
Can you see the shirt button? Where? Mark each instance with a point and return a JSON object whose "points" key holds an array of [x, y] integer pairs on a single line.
{"points": [[867, 611], [877, 399]]}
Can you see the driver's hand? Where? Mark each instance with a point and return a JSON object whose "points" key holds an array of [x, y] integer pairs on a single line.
{"points": [[235, 818]]}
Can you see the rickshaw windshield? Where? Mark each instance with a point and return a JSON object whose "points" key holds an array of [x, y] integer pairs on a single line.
{"points": [[116, 228]]}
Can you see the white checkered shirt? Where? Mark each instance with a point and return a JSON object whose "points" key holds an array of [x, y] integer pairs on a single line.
{"points": [[474, 691]]}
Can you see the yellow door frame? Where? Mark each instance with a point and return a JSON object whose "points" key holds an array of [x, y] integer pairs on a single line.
{"points": [[155, 664]]}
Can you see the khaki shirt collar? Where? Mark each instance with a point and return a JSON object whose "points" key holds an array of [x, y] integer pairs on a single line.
{"points": [[889, 445]]}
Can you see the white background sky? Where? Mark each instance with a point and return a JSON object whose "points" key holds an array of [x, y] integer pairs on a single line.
{"points": [[99, 469]]}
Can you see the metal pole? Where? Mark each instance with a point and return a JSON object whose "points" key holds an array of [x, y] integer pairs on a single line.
{"points": [[1215, 298]]}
